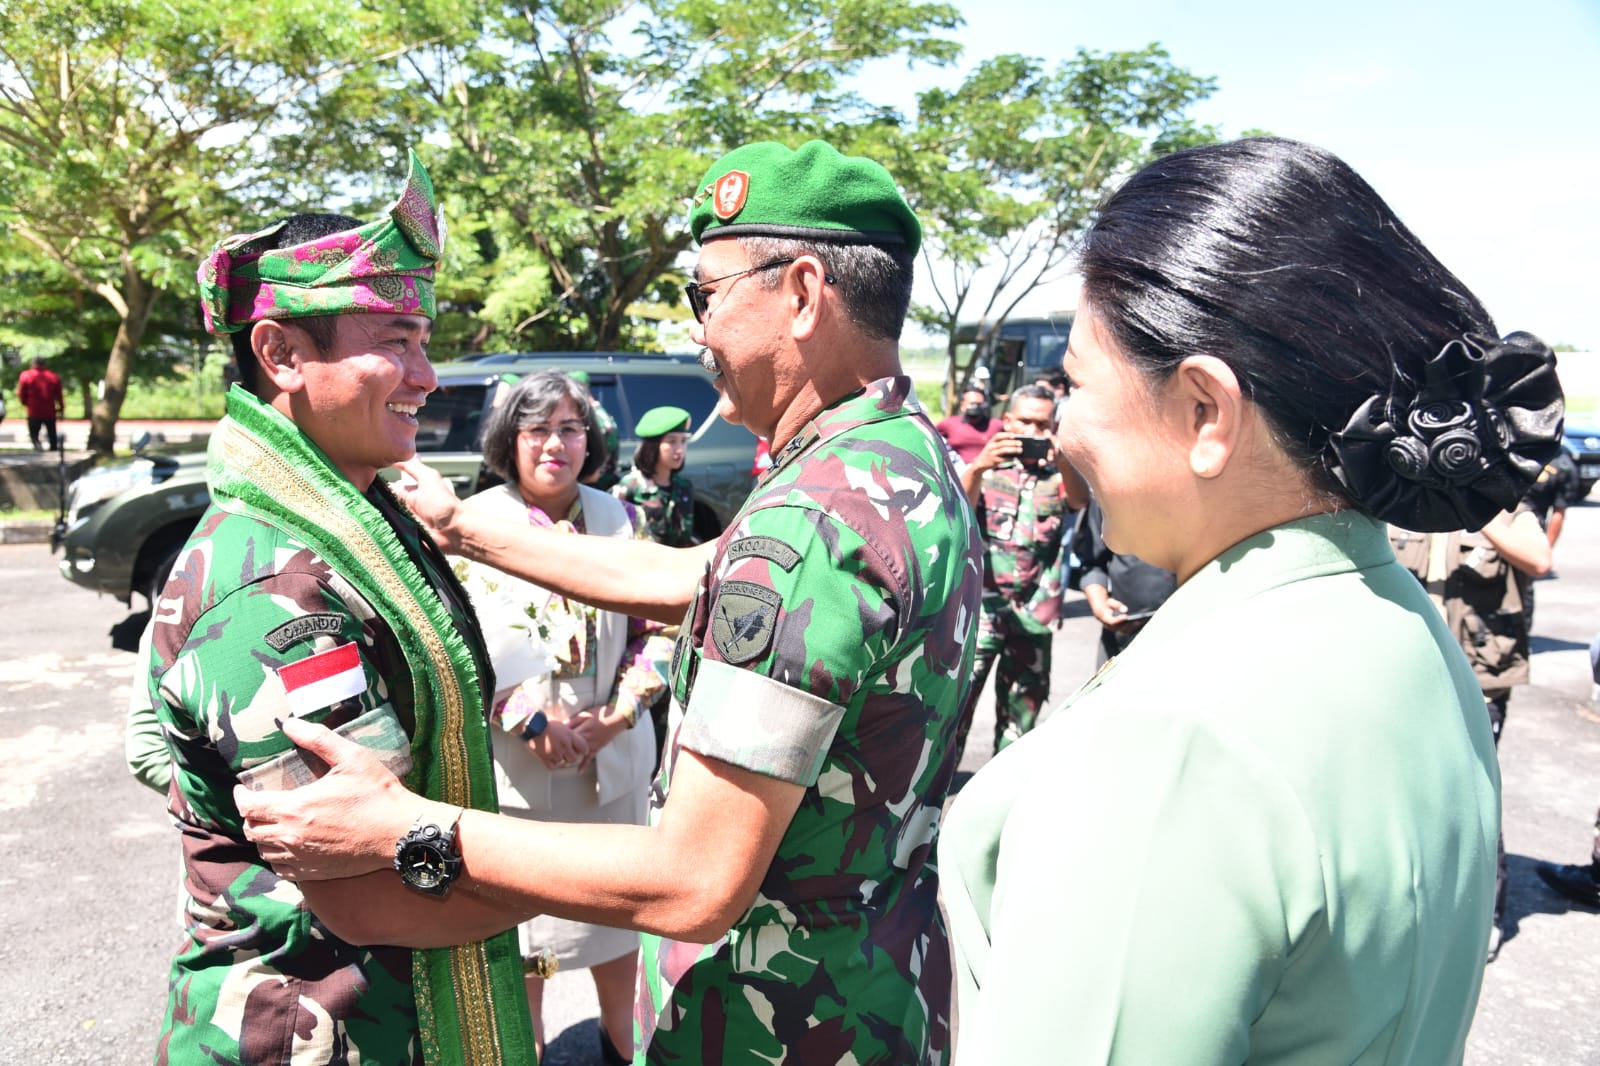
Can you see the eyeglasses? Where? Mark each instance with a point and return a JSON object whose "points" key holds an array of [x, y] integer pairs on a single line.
{"points": [[699, 298], [569, 432]]}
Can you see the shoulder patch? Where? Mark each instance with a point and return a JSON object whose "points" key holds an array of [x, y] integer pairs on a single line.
{"points": [[743, 622], [770, 548], [298, 629]]}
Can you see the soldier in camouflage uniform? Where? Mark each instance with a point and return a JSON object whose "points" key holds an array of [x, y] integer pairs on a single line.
{"points": [[1024, 512], [306, 589], [823, 660], [655, 487]]}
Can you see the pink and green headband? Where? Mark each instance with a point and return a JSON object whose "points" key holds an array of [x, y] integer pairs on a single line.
{"points": [[383, 267]]}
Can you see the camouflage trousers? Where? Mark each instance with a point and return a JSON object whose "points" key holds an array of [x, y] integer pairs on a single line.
{"points": [[1022, 680]]}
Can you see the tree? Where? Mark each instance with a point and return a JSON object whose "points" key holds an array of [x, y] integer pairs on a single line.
{"points": [[582, 154], [129, 129], [1005, 172]]}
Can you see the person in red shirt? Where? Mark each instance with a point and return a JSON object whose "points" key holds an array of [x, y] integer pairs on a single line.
{"points": [[970, 430], [39, 390]]}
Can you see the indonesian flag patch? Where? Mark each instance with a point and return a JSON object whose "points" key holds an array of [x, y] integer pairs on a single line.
{"points": [[323, 679]]}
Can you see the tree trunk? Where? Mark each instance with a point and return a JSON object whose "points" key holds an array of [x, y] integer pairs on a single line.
{"points": [[140, 298]]}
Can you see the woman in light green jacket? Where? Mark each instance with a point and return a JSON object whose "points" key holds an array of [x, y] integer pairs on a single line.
{"points": [[1266, 832]]}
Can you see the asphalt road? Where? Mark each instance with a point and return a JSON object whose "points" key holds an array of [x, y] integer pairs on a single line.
{"points": [[88, 896]]}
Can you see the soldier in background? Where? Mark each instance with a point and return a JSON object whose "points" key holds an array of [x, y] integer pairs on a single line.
{"points": [[307, 590], [785, 886], [655, 486], [1024, 502], [606, 476], [1483, 584]]}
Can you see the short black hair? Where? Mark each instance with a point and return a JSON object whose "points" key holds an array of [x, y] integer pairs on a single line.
{"points": [[874, 280], [1277, 258], [296, 229], [531, 399]]}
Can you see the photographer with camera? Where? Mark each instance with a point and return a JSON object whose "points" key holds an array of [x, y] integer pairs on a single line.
{"points": [[1024, 493]]}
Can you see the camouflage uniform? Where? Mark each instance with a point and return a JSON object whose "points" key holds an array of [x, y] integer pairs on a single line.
{"points": [[829, 645], [259, 979], [668, 512], [1024, 520]]}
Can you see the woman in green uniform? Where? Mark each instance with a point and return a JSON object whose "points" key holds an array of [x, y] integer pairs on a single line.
{"points": [[655, 487], [1266, 831]]}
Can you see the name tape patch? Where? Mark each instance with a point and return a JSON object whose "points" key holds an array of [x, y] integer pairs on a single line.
{"points": [[769, 548], [298, 629]]}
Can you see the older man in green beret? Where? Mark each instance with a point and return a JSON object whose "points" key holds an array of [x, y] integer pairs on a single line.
{"points": [[307, 590], [824, 654]]}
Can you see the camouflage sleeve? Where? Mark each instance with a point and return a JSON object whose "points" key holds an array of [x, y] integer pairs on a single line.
{"points": [[221, 691], [144, 744], [1044, 606], [801, 610]]}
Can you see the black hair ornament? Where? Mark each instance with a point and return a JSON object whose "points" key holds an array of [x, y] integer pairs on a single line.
{"points": [[1464, 445]]}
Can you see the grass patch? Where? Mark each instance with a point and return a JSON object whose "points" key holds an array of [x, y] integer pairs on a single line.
{"points": [[188, 393], [10, 514]]}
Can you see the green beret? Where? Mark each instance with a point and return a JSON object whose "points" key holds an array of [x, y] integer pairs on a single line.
{"points": [[659, 421], [581, 377], [768, 190]]}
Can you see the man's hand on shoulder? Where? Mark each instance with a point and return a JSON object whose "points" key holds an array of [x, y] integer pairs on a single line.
{"points": [[429, 497], [343, 824]]}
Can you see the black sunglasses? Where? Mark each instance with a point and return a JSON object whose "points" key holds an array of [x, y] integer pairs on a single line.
{"points": [[699, 298]]}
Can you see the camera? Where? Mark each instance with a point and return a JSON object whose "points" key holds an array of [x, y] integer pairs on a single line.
{"points": [[1036, 451]]}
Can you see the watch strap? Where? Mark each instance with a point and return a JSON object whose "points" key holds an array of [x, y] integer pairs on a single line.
{"points": [[535, 726]]}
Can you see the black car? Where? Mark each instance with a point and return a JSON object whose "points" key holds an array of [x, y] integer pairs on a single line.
{"points": [[1581, 442]]}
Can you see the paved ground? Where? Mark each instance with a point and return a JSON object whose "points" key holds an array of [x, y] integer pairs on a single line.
{"points": [[87, 896]]}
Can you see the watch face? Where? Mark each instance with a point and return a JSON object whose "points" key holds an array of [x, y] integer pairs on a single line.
{"points": [[422, 866]]}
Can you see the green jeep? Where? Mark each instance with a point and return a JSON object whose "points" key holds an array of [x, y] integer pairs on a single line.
{"points": [[126, 521]]}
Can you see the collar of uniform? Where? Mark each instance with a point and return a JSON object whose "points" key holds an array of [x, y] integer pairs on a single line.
{"points": [[1315, 546], [888, 397]]}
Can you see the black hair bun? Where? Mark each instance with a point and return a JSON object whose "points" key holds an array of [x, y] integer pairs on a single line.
{"points": [[1460, 446]]}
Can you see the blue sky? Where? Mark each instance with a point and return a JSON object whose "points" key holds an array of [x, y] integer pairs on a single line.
{"points": [[1479, 122]]}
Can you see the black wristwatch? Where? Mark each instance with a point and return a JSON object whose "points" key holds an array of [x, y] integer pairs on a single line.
{"points": [[426, 856], [535, 724]]}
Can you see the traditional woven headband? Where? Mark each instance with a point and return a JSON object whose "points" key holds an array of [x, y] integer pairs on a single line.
{"points": [[383, 267]]}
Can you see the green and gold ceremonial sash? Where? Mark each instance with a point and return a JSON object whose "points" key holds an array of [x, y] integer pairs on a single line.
{"points": [[471, 1005]]}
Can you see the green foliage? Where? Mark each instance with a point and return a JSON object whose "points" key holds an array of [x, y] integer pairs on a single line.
{"points": [[1006, 169], [566, 138], [132, 132], [582, 127], [190, 389]]}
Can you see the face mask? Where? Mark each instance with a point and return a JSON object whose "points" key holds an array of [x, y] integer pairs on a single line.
{"points": [[974, 412]]}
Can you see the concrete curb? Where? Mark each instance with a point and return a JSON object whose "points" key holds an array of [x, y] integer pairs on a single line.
{"points": [[32, 531]]}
